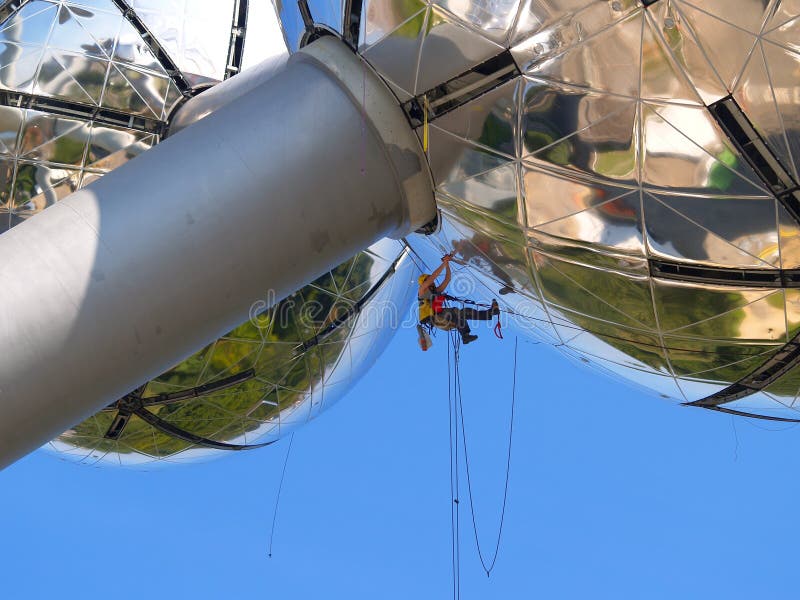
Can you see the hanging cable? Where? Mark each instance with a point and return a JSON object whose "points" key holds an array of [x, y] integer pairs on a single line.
{"points": [[278, 495], [493, 561], [456, 401], [457, 501], [454, 542]]}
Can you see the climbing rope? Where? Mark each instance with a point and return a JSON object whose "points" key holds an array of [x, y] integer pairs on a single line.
{"points": [[454, 487], [455, 400], [278, 495]]}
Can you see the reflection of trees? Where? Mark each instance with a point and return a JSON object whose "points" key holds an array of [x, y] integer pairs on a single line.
{"points": [[594, 133], [268, 345], [716, 318], [624, 318], [787, 387], [618, 308]]}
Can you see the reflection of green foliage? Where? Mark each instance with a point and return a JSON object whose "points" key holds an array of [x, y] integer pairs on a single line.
{"points": [[68, 151], [413, 27], [497, 134], [615, 163], [539, 126], [559, 153], [625, 301], [704, 357], [719, 175], [776, 301], [679, 305], [504, 233], [25, 184], [556, 143], [539, 133], [586, 253], [787, 387], [268, 346], [675, 41], [535, 140], [618, 308], [506, 209]]}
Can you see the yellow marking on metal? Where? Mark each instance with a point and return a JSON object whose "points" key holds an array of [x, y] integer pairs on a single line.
{"points": [[425, 108]]}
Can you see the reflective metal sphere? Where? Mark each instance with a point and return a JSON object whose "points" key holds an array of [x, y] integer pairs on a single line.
{"points": [[629, 171], [274, 372], [624, 177]]}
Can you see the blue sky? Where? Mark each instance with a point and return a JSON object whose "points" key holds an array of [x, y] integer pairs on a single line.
{"points": [[614, 494]]}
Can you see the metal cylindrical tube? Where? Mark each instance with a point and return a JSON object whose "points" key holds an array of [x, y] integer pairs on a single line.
{"points": [[223, 93], [123, 279]]}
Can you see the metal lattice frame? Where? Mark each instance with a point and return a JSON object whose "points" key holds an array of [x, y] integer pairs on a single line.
{"points": [[739, 131], [238, 35], [88, 112], [155, 47], [135, 404]]}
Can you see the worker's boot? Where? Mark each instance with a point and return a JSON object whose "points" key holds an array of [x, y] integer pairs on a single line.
{"points": [[468, 337], [495, 309]]}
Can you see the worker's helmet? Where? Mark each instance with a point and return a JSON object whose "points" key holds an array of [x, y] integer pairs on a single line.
{"points": [[422, 278]]}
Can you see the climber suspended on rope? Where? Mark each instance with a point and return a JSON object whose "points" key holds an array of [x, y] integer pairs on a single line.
{"points": [[433, 312]]}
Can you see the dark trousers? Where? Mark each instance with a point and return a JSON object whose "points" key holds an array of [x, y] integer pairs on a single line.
{"points": [[456, 318]]}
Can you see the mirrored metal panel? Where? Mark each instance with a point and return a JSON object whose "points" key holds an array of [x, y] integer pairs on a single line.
{"points": [[588, 187], [195, 33], [650, 239], [271, 374]]}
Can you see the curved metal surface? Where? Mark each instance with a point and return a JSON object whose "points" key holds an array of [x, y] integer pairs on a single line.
{"points": [[64, 135], [195, 35], [586, 187], [271, 374], [216, 97], [599, 194], [82, 79], [741, 413], [402, 147], [179, 433], [69, 235], [154, 45]]}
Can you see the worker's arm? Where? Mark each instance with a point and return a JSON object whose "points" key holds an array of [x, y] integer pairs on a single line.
{"points": [[431, 280], [447, 275]]}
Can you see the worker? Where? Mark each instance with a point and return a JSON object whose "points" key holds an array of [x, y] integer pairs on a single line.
{"points": [[433, 313]]}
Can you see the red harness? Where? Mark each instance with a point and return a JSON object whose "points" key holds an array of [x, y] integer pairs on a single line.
{"points": [[437, 303]]}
